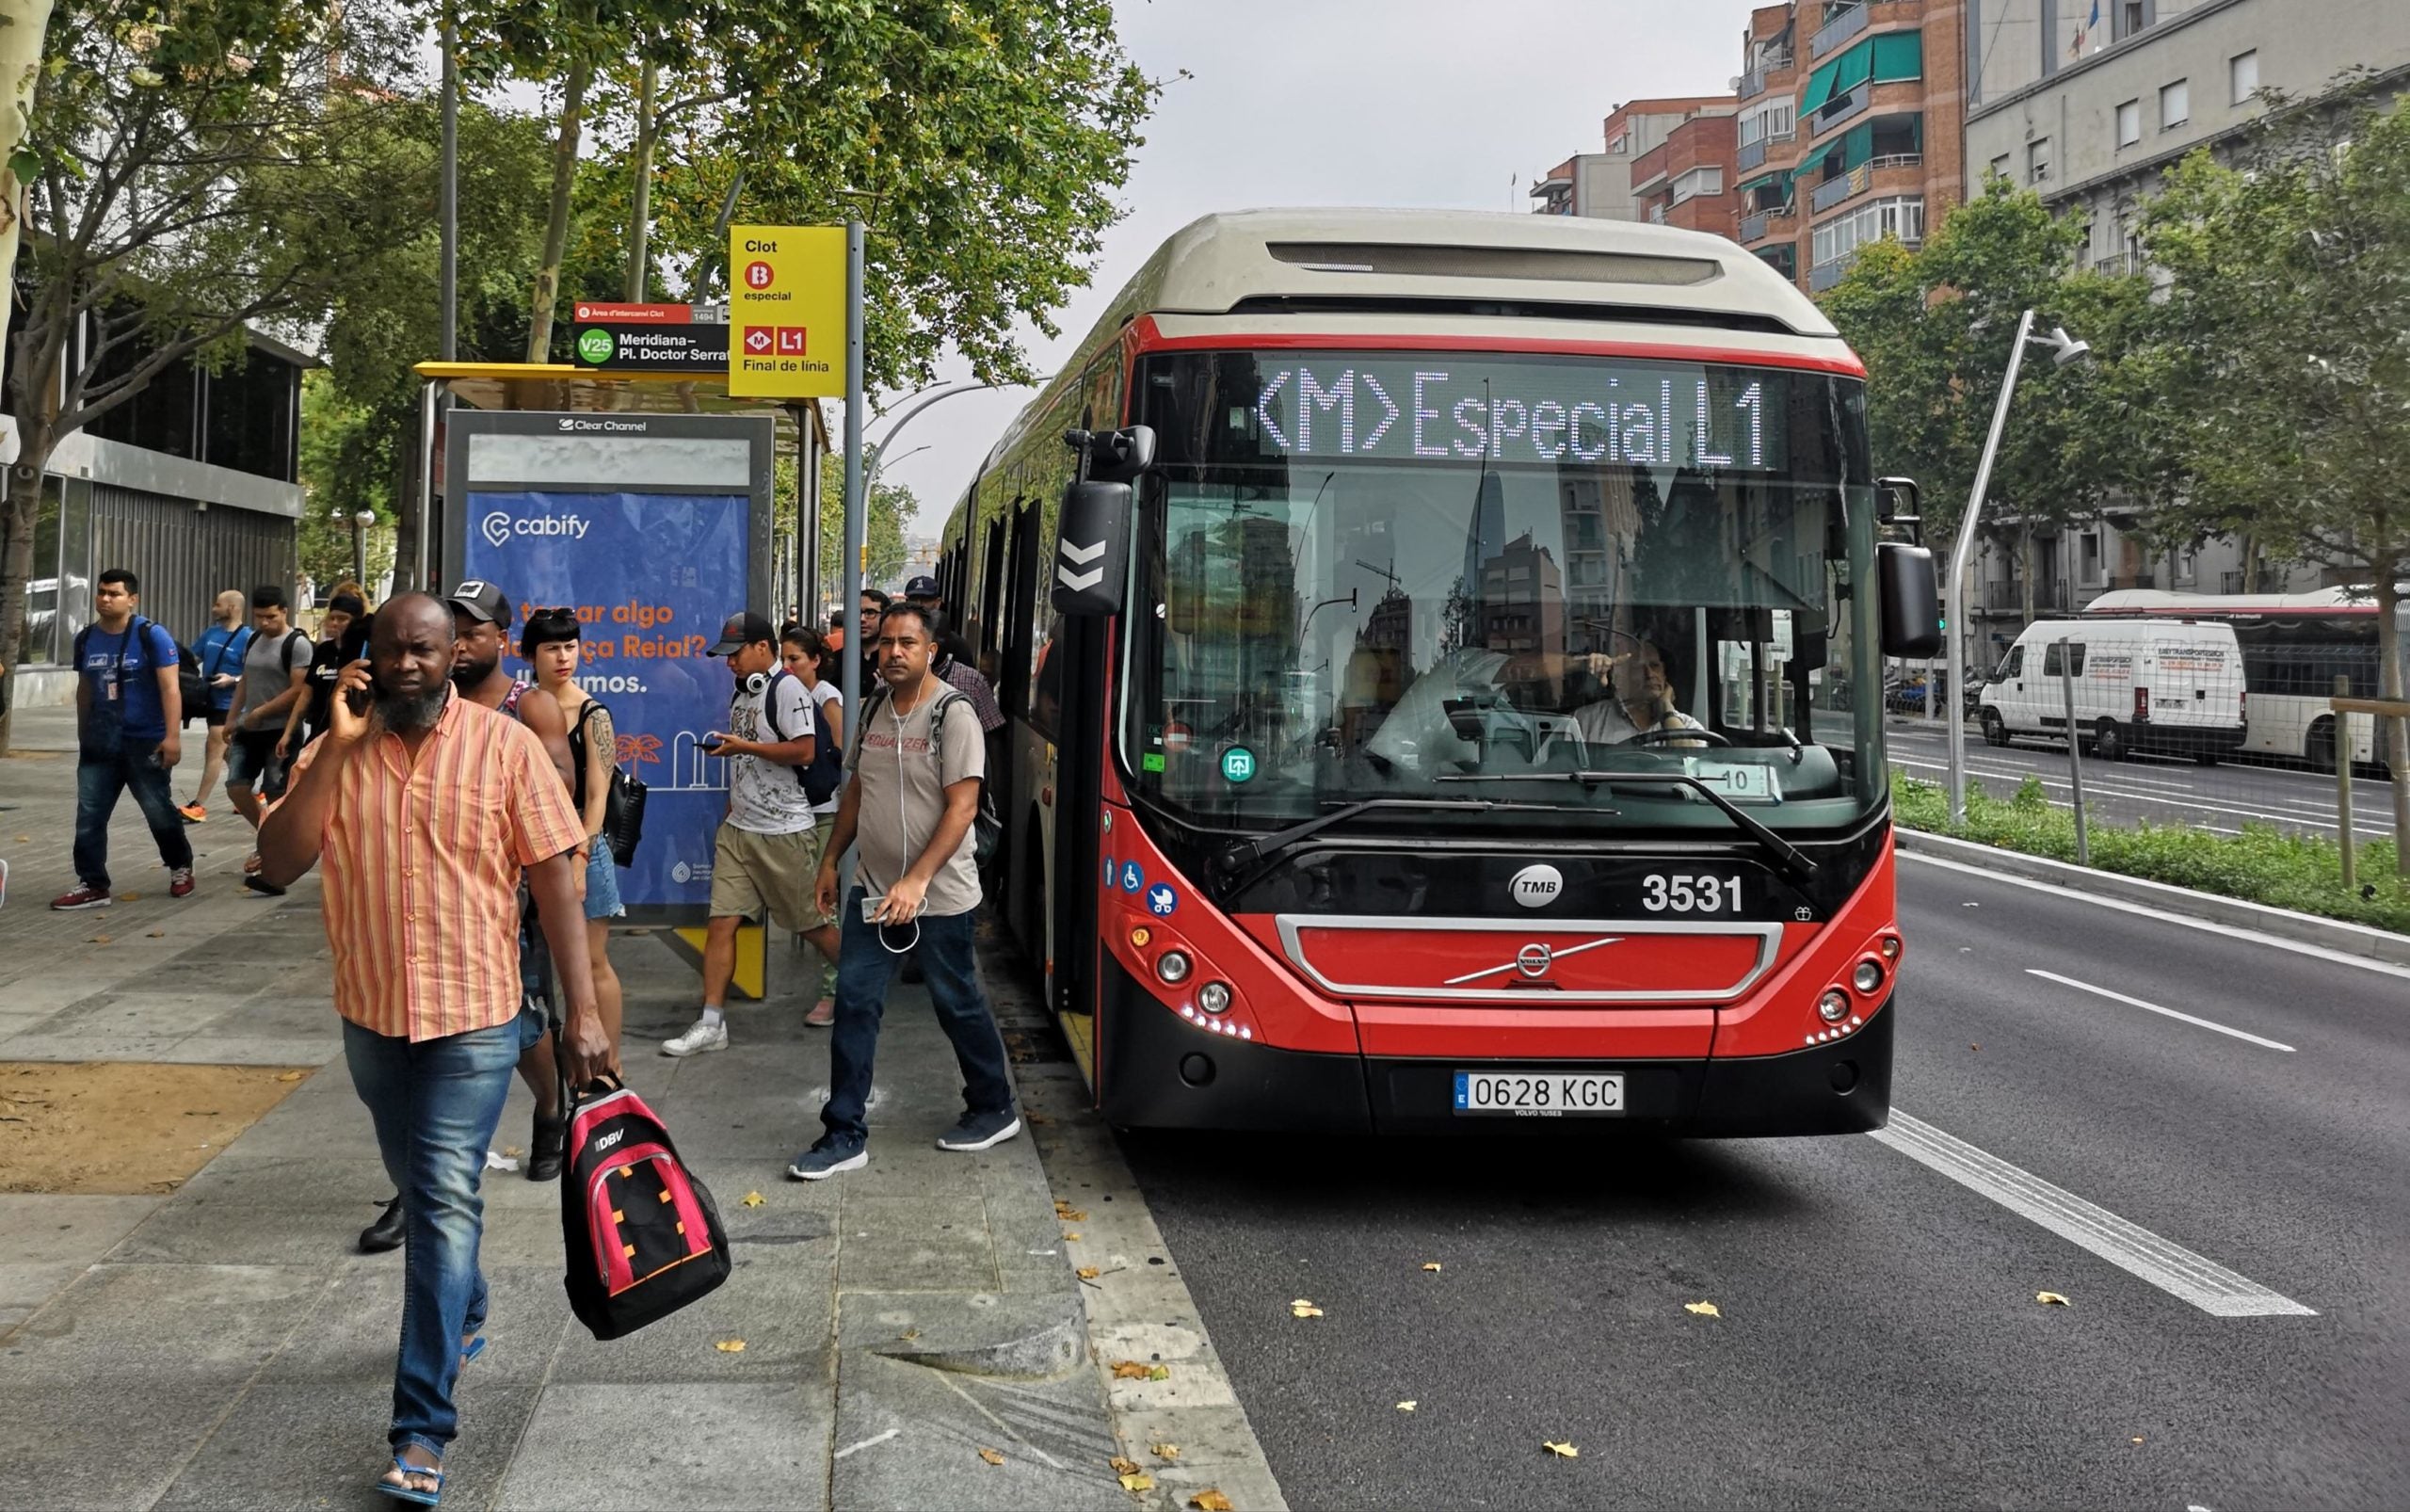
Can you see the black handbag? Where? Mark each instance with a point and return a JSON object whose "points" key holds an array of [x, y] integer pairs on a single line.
{"points": [[623, 817]]}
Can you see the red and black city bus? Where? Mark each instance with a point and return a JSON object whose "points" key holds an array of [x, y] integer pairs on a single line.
{"points": [[1439, 651]]}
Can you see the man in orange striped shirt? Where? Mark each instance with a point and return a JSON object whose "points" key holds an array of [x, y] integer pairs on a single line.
{"points": [[425, 809]]}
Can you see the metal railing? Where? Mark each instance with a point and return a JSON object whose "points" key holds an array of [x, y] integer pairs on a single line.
{"points": [[1858, 180], [1824, 275], [1750, 154], [1837, 32], [1831, 192], [1753, 83], [2004, 598], [1841, 107], [2230, 582], [1754, 228]]}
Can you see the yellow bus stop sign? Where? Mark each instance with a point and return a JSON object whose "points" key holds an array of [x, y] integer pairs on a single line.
{"points": [[786, 312]]}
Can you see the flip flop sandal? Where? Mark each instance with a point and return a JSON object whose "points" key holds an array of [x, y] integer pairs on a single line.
{"points": [[411, 1493], [472, 1350]]}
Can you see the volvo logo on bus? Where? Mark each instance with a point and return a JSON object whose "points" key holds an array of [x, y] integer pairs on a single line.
{"points": [[1532, 960], [1536, 887]]}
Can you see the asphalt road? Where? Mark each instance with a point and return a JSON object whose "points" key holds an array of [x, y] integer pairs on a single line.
{"points": [[2162, 789], [1879, 1340]]}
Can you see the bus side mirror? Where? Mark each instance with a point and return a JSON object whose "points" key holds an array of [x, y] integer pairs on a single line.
{"points": [[1115, 456], [1910, 600], [1092, 550], [1900, 502]]}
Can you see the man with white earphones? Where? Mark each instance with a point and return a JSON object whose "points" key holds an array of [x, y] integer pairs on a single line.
{"points": [[910, 800]]}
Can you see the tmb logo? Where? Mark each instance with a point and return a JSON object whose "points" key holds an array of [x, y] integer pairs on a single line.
{"points": [[1536, 887]]}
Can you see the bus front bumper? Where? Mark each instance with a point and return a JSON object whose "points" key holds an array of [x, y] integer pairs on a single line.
{"points": [[1160, 1072]]}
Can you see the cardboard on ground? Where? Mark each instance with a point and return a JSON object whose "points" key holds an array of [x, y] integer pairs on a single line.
{"points": [[786, 312]]}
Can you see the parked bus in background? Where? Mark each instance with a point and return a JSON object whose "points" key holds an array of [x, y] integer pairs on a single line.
{"points": [[2294, 645], [1408, 663]]}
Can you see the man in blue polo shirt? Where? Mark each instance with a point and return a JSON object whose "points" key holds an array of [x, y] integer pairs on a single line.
{"points": [[128, 717]]}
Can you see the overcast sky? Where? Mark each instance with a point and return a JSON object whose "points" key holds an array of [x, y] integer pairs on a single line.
{"points": [[1417, 102]]}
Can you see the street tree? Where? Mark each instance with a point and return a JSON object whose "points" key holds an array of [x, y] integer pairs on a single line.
{"points": [[189, 172], [891, 507], [2285, 351], [23, 25], [1934, 325]]}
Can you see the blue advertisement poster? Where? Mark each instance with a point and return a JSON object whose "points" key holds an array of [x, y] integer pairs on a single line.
{"points": [[651, 577]]}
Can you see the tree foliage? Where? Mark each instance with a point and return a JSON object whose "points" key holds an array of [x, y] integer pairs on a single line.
{"points": [[892, 508], [190, 169]]}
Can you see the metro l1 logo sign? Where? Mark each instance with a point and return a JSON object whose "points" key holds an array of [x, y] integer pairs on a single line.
{"points": [[791, 280]]}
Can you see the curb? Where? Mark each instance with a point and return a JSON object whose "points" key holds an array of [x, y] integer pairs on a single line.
{"points": [[2284, 924]]}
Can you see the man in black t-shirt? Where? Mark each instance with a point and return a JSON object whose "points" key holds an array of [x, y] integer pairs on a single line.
{"points": [[343, 642]]}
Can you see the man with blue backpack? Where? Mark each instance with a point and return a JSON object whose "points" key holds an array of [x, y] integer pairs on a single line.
{"points": [[768, 854], [129, 713]]}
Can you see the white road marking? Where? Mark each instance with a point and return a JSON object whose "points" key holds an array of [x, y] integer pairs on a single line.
{"points": [[2171, 1267], [869, 1442], [2120, 997], [2094, 900]]}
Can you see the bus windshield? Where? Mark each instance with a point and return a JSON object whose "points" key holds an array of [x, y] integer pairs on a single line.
{"points": [[1398, 575]]}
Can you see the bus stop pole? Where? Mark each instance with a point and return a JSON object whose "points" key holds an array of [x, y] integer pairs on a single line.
{"points": [[849, 574], [2075, 751], [2344, 748]]}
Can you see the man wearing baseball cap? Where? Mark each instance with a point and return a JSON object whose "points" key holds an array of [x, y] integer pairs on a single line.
{"points": [[767, 855], [924, 590]]}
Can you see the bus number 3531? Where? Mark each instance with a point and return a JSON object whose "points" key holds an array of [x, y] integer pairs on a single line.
{"points": [[1681, 893]]}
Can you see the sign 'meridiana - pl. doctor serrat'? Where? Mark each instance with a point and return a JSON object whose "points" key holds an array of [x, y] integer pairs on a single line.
{"points": [[786, 312]]}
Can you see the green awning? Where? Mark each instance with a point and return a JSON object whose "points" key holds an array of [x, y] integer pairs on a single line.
{"points": [[1853, 68], [1777, 176], [1899, 55], [1815, 156], [1858, 145], [1820, 89]]}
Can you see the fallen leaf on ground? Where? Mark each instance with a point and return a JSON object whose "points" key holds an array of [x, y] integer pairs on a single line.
{"points": [[98, 940], [2052, 1299], [2138, 1438], [991, 1457], [1068, 1213], [1130, 1370], [908, 1335], [159, 934], [1430, 1264], [1210, 1500], [753, 1200], [1138, 1481], [730, 1347], [1704, 1309], [1161, 1373], [1303, 1309], [1163, 1450], [292, 1076], [513, 1151], [1086, 1272], [1406, 1406], [129, 898], [1562, 1451], [1075, 1236]]}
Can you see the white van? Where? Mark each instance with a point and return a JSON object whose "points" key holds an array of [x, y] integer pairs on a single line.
{"points": [[2140, 684]]}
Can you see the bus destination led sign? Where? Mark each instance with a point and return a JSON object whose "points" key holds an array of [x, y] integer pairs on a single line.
{"points": [[1426, 407]]}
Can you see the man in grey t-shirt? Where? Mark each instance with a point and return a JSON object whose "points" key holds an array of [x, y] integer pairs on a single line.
{"points": [[276, 670], [912, 793]]}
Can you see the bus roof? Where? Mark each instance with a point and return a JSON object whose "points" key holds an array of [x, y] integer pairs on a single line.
{"points": [[1324, 258], [2159, 602]]}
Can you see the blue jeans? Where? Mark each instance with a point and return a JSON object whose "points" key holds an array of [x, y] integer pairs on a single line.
{"points": [[102, 772], [864, 968], [435, 1104]]}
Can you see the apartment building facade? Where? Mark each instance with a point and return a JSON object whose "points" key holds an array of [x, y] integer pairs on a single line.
{"points": [[1598, 186], [1849, 116], [2090, 117], [1687, 179]]}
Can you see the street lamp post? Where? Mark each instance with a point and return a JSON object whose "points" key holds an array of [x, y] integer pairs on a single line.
{"points": [[359, 524], [2068, 349]]}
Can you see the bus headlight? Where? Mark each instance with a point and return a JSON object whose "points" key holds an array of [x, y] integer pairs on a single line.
{"points": [[1891, 947], [1172, 967], [1834, 1006], [1868, 978], [1215, 997]]}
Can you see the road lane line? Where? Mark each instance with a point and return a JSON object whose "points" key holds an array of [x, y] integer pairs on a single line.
{"points": [[2171, 1267], [2120, 997], [2096, 900]]}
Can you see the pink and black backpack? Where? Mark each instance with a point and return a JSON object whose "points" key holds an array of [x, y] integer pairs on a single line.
{"points": [[643, 1236]]}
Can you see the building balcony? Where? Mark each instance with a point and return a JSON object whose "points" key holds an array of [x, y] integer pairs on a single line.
{"points": [[1871, 174], [1779, 222], [2230, 582], [2005, 598], [1770, 74], [1750, 154], [1839, 28], [1842, 107]]}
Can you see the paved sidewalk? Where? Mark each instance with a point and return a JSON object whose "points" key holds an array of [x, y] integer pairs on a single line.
{"points": [[222, 1346]]}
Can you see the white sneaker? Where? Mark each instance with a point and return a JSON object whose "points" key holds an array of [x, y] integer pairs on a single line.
{"points": [[702, 1036]]}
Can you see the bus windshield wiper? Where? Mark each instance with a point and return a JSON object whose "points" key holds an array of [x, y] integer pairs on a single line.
{"points": [[1790, 858], [1240, 854]]}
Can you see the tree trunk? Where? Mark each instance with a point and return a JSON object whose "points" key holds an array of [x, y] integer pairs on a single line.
{"points": [[2025, 571], [640, 198], [548, 272], [18, 518], [20, 66], [2250, 563], [2392, 735]]}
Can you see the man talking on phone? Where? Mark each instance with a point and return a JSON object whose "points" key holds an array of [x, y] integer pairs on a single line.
{"points": [[425, 809], [910, 797]]}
